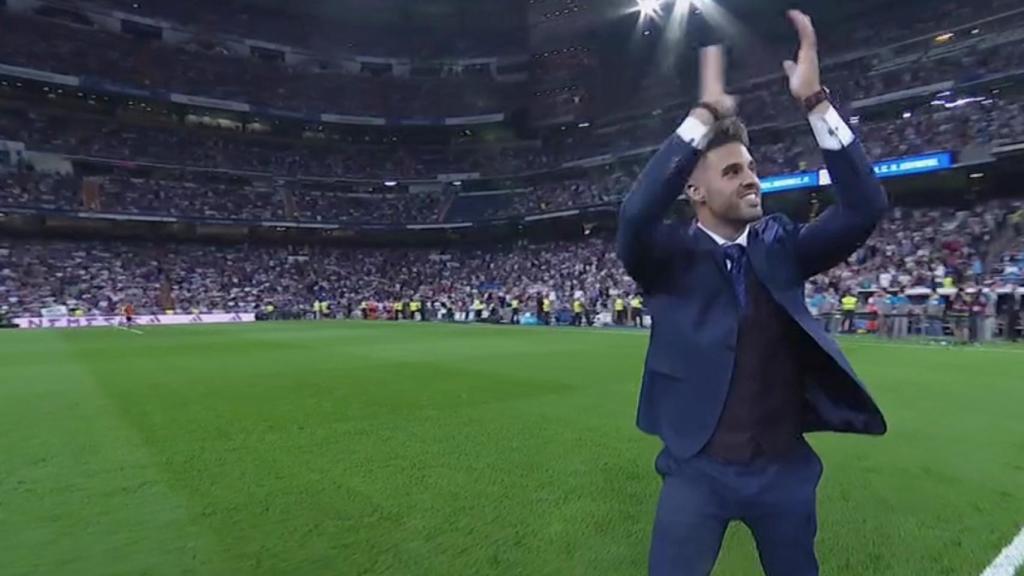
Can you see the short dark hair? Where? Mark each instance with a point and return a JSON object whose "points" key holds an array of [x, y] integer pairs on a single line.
{"points": [[727, 131]]}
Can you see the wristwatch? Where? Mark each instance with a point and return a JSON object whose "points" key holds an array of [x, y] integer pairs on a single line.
{"points": [[822, 95]]}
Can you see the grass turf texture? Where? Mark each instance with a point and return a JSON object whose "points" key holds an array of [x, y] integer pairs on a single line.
{"points": [[359, 448]]}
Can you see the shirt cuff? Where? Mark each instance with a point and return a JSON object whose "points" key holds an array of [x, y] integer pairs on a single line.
{"points": [[830, 130], [694, 132]]}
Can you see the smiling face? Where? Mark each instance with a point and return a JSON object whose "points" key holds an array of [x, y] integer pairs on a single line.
{"points": [[724, 187]]}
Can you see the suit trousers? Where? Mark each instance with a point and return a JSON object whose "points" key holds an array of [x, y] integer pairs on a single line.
{"points": [[775, 498]]}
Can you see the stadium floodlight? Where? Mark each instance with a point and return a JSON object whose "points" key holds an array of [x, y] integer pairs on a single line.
{"points": [[648, 7]]}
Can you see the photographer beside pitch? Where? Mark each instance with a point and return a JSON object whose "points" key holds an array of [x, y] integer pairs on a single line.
{"points": [[737, 369]]}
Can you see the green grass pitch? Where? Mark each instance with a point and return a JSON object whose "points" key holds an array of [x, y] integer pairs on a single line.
{"points": [[428, 450]]}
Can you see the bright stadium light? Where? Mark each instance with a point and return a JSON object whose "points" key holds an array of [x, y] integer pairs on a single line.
{"points": [[648, 7]]}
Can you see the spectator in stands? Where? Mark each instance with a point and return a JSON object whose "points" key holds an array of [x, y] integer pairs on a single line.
{"points": [[1013, 316], [959, 313]]}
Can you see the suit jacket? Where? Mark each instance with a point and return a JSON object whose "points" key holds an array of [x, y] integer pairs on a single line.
{"points": [[695, 314]]}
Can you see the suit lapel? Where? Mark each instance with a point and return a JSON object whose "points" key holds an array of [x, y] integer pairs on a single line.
{"points": [[707, 247], [757, 254]]}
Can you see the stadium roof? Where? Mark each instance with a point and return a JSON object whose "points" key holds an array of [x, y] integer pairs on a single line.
{"points": [[409, 13]]}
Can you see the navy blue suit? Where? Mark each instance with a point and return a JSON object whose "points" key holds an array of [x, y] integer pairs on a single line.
{"points": [[692, 355]]}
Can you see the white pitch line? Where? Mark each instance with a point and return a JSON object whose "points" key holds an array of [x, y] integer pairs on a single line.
{"points": [[1009, 560]]}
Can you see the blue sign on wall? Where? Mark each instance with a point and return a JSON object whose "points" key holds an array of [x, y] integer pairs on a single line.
{"points": [[914, 164], [789, 182], [888, 169]]}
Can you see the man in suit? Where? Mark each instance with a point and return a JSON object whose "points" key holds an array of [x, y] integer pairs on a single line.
{"points": [[737, 369]]}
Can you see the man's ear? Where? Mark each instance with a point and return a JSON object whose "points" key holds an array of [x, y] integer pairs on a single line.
{"points": [[694, 192]]}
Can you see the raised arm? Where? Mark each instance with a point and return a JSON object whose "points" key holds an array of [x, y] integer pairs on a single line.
{"points": [[860, 200], [642, 242]]}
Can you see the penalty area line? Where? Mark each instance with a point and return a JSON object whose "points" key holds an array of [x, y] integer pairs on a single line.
{"points": [[1009, 560]]}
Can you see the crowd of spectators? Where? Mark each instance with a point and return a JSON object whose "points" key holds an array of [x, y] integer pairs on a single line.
{"points": [[328, 206], [195, 196], [931, 127], [904, 21], [545, 197], [98, 277], [198, 199], [1010, 264], [51, 192], [192, 196], [936, 127], [927, 247], [910, 48], [924, 248], [950, 122], [189, 69], [218, 149], [945, 124]]}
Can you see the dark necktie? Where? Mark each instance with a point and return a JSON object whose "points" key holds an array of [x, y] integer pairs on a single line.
{"points": [[735, 260]]}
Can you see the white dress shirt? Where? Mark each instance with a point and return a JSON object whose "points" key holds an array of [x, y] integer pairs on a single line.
{"points": [[831, 132], [741, 239]]}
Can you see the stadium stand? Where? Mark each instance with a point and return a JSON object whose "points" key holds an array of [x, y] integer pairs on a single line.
{"points": [[915, 248], [490, 32], [923, 247], [929, 128], [930, 83], [80, 51], [99, 275]]}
